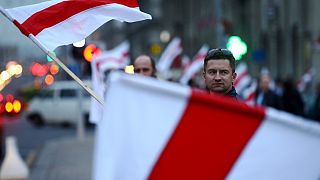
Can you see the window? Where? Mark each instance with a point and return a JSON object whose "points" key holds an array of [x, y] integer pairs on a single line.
{"points": [[45, 94], [68, 93]]}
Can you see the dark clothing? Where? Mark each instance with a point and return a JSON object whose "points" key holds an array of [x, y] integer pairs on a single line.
{"points": [[316, 109], [269, 98], [232, 93], [292, 101]]}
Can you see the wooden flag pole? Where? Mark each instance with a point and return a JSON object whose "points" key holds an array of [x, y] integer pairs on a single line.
{"points": [[44, 49]]}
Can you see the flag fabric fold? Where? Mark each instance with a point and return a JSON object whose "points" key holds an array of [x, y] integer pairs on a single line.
{"points": [[153, 129], [195, 65], [62, 22], [115, 58], [169, 54]]}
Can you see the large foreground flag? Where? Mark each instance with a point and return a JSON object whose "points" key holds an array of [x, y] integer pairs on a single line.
{"points": [[160, 130], [61, 22], [115, 58]]}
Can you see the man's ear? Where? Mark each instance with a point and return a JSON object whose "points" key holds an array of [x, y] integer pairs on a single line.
{"points": [[234, 76]]}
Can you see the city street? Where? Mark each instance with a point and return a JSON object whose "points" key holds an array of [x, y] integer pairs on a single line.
{"points": [[29, 137]]}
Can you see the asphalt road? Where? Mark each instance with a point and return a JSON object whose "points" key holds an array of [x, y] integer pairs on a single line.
{"points": [[29, 137]]}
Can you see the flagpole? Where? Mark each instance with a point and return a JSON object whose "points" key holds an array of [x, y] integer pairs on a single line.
{"points": [[44, 49]]}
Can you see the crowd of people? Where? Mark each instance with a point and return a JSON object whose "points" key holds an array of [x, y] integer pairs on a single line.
{"points": [[219, 76]]}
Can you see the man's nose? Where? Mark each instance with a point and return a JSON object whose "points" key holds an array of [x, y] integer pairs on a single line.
{"points": [[217, 76]]}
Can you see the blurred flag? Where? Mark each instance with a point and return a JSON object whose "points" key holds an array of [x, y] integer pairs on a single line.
{"points": [[113, 59], [243, 79], [305, 79], [61, 22], [248, 94], [195, 65], [169, 54], [159, 130], [185, 61]]}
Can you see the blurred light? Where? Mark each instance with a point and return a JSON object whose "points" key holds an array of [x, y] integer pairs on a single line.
{"points": [[12, 70], [79, 44], [5, 75], [19, 70], [49, 79], [9, 107], [1, 97], [38, 69], [129, 69], [165, 36], [2, 108], [90, 52], [37, 84], [155, 49], [237, 47], [9, 98], [16, 106], [54, 69], [49, 58], [10, 63]]}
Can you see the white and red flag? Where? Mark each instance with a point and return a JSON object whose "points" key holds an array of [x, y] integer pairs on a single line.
{"points": [[155, 129], [169, 54], [305, 79], [243, 79], [62, 22], [195, 65], [115, 58]]}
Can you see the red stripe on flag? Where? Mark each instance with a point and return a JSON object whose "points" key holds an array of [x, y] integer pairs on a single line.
{"points": [[239, 78], [208, 140], [64, 10]]}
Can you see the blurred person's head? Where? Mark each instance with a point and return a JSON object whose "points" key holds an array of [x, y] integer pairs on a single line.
{"points": [[264, 82], [145, 65], [219, 71]]}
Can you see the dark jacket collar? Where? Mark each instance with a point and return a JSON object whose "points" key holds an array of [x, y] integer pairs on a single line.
{"points": [[232, 93]]}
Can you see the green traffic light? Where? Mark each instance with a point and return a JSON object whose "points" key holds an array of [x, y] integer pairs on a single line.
{"points": [[237, 47]]}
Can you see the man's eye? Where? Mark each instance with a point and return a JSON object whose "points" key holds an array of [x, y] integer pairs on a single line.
{"points": [[224, 72]]}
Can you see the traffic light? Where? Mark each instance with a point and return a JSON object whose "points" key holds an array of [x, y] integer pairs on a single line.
{"points": [[237, 47]]}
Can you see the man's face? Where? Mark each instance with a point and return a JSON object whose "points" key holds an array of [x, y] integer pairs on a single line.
{"points": [[264, 82], [218, 76], [143, 66]]}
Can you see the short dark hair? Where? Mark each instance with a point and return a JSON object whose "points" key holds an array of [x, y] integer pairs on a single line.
{"points": [[215, 54]]}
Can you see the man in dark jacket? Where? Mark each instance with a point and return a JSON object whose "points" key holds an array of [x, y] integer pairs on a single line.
{"points": [[219, 72], [265, 96]]}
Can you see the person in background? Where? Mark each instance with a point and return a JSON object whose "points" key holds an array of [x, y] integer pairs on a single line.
{"points": [[265, 96], [219, 72], [145, 65], [316, 107], [291, 98]]}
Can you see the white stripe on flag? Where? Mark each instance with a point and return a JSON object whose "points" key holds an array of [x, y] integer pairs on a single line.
{"points": [[284, 147], [170, 53], [78, 26]]}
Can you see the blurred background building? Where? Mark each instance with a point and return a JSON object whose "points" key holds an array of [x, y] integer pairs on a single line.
{"points": [[282, 35]]}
